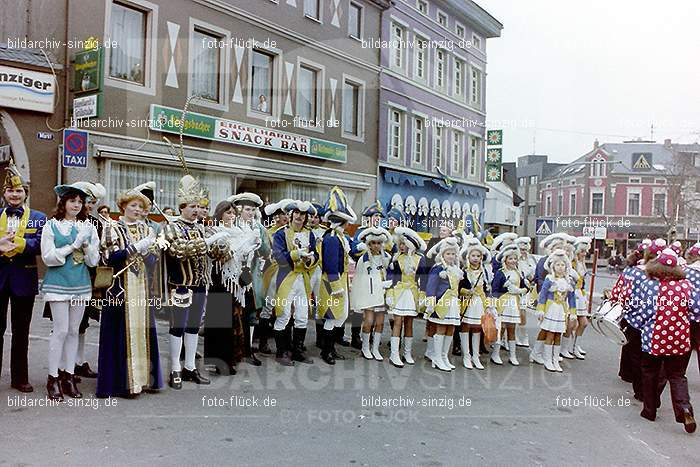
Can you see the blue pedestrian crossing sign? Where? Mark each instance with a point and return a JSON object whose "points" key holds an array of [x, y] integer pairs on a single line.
{"points": [[544, 227], [75, 148]]}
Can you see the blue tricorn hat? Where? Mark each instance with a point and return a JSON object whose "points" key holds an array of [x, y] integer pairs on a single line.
{"points": [[374, 208], [337, 207]]}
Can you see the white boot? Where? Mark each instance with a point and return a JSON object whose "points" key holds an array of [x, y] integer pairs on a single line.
{"points": [[578, 351], [375, 347], [513, 359], [496, 353], [407, 349], [438, 340], [446, 346], [549, 358], [555, 361], [565, 346], [536, 353], [476, 341], [428, 355], [175, 349], [365, 346], [466, 356], [395, 358], [521, 337]]}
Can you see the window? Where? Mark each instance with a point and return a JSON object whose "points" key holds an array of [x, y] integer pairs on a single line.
{"points": [[598, 167], [307, 94], [560, 204], [206, 65], [533, 179], [572, 204], [474, 152], [439, 146], [353, 108], [476, 87], [421, 46], [660, 181], [660, 204], [521, 181], [457, 152], [423, 7], [459, 79], [548, 205], [633, 199], [262, 82], [355, 20], [395, 134], [476, 41], [312, 9], [459, 29], [597, 203], [128, 30], [418, 140], [440, 64], [442, 19], [397, 51], [635, 180]]}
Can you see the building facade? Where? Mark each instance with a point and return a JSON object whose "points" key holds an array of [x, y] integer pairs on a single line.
{"points": [[624, 192], [278, 97], [432, 109], [529, 171]]}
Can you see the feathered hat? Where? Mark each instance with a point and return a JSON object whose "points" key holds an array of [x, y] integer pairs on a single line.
{"points": [[374, 234], [523, 243], [94, 190], [77, 187], [508, 250], [582, 244], [140, 193], [301, 206], [472, 244], [337, 208], [374, 208], [246, 199], [13, 177], [502, 240], [547, 242], [557, 255], [189, 190], [319, 209], [410, 238], [447, 243]]}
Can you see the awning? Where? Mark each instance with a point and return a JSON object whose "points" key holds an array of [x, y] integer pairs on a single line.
{"points": [[400, 178]]}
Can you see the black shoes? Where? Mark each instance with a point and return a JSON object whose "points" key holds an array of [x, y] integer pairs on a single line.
{"points": [[298, 338], [175, 380], [327, 346], [85, 371], [263, 331], [194, 376], [688, 420], [283, 356], [53, 388], [356, 342], [23, 387], [68, 386], [339, 334], [648, 415]]}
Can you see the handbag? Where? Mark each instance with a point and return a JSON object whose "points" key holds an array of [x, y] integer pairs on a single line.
{"points": [[104, 275], [488, 324]]}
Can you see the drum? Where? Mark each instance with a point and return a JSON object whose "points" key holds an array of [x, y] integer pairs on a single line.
{"points": [[606, 320]]}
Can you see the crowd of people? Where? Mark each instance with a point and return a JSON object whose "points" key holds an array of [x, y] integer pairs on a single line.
{"points": [[659, 292], [232, 278]]}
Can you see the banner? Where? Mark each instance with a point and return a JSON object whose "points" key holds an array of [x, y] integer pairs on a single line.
{"points": [[167, 119]]}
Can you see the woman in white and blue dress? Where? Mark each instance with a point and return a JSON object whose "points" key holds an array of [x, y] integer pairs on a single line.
{"points": [[442, 300], [408, 274], [474, 289], [69, 245], [582, 245], [507, 288]]}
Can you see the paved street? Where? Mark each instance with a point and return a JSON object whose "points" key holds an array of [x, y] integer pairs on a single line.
{"points": [[318, 415]]}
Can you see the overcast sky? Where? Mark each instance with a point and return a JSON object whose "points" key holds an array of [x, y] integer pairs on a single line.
{"points": [[604, 68]]}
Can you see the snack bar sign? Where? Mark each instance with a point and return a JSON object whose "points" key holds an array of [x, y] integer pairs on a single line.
{"points": [[167, 119]]}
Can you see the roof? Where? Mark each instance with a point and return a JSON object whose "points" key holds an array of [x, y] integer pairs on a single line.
{"points": [[482, 19], [662, 158], [27, 56]]}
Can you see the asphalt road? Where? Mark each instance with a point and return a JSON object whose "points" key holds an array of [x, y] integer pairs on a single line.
{"points": [[321, 415]]}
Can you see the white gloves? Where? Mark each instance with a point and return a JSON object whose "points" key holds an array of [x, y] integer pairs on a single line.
{"points": [[338, 292], [540, 315], [215, 238], [361, 246], [144, 244], [82, 238], [389, 301], [572, 317], [443, 274], [387, 284]]}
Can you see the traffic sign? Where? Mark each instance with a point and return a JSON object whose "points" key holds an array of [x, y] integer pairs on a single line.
{"points": [[75, 148], [544, 227]]}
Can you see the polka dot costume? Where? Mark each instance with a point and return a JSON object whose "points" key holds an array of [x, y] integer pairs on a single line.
{"points": [[668, 333]]}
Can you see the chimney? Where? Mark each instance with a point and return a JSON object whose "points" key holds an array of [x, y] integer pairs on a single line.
{"points": [[596, 144], [667, 143]]}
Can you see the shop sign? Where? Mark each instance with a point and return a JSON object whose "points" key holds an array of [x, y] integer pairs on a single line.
{"points": [[25, 89]]}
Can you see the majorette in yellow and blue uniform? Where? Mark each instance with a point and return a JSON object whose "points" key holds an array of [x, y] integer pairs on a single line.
{"points": [[555, 304], [294, 250], [275, 211], [408, 274], [333, 301], [442, 299], [474, 290], [578, 276], [527, 265]]}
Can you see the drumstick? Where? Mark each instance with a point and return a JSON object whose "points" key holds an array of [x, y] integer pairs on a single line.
{"points": [[590, 294]]}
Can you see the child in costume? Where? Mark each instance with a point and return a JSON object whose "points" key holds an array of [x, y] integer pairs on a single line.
{"points": [[582, 245], [474, 289], [442, 302], [508, 287], [527, 265], [555, 305], [407, 272], [368, 287]]}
